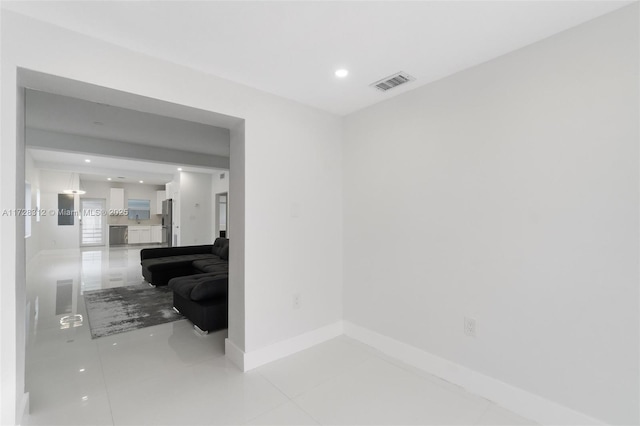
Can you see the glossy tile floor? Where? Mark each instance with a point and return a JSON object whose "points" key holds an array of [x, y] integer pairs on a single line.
{"points": [[168, 374]]}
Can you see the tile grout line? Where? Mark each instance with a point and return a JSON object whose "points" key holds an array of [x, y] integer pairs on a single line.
{"points": [[486, 410], [465, 393], [306, 412], [331, 377], [292, 399], [410, 369], [277, 388], [422, 376], [289, 399], [335, 376], [382, 357]]}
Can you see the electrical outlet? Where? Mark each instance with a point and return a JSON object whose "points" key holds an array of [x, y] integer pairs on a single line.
{"points": [[470, 327], [296, 301]]}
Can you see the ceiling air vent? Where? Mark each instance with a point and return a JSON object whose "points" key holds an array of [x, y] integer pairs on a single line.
{"points": [[392, 81], [222, 175]]}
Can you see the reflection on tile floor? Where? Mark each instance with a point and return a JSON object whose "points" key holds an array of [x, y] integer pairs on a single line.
{"points": [[169, 375]]}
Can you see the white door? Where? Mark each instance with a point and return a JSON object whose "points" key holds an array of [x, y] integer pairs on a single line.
{"points": [[92, 222]]}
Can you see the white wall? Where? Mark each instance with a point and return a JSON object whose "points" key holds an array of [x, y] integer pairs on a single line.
{"points": [[509, 193], [237, 247], [196, 217], [173, 192], [52, 235], [310, 176], [32, 175], [219, 185]]}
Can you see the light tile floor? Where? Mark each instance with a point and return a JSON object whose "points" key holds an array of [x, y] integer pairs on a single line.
{"points": [[168, 374]]}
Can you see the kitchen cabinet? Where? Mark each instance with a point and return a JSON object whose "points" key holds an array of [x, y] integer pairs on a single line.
{"points": [[156, 233], [116, 199], [139, 234], [134, 235], [145, 234], [160, 197]]}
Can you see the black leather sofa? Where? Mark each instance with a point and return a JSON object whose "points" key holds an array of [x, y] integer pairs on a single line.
{"points": [[198, 276], [159, 265]]}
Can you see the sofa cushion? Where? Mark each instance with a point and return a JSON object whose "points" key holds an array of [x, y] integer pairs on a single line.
{"points": [[182, 286], [210, 288], [200, 287], [211, 265]]}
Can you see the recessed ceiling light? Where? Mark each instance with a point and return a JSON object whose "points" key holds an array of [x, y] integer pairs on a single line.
{"points": [[342, 73], [86, 160], [141, 181], [179, 169], [108, 178]]}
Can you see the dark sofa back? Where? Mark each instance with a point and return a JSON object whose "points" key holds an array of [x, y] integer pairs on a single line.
{"points": [[153, 253], [218, 246], [224, 252]]}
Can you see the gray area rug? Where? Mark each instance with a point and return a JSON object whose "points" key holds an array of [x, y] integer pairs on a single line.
{"points": [[120, 309]]}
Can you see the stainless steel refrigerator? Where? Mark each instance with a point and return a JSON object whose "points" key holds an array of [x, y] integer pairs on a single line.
{"points": [[167, 221]]}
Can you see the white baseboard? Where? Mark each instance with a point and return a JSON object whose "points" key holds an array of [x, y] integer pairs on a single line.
{"points": [[24, 408], [234, 353], [519, 401], [249, 360]]}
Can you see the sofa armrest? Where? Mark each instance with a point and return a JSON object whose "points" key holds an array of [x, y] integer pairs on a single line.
{"points": [[152, 253]]}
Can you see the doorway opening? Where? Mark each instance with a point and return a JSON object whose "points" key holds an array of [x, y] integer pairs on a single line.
{"points": [[222, 214], [92, 232], [92, 222]]}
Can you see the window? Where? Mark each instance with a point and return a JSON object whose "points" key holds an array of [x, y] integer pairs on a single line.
{"points": [[139, 209]]}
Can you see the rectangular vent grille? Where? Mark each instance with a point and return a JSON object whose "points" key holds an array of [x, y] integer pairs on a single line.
{"points": [[392, 81]]}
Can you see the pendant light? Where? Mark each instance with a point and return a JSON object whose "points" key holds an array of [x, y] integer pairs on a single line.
{"points": [[78, 191]]}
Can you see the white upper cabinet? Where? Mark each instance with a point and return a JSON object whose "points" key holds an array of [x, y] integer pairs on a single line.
{"points": [[116, 199], [160, 197]]}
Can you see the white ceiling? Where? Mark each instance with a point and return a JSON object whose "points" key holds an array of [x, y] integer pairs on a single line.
{"points": [[101, 168], [292, 48], [56, 113], [46, 111]]}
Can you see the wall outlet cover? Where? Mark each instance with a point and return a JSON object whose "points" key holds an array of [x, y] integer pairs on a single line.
{"points": [[470, 327], [296, 301]]}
